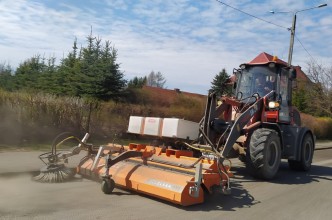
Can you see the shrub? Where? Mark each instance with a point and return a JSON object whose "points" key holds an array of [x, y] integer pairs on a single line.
{"points": [[322, 126]]}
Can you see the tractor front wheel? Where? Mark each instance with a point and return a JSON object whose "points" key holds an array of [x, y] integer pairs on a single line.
{"points": [[264, 155]]}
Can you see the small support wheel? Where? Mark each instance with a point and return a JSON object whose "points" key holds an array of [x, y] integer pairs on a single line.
{"points": [[107, 185]]}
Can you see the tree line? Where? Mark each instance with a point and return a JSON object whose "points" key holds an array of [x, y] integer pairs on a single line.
{"points": [[91, 71]]}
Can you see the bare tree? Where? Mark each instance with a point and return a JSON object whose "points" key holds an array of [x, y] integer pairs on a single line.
{"points": [[321, 91], [156, 80]]}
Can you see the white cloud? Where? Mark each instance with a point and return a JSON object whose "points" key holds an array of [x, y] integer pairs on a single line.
{"points": [[188, 41]]}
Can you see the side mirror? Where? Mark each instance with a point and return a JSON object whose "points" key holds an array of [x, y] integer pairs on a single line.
{"points": [[292, 74], [235, 71]]}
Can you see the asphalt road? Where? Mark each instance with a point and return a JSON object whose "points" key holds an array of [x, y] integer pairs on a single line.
{"points": [[293, 195]]}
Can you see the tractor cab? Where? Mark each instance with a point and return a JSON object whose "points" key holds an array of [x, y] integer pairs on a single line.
{"points": [[271, 81], [256, 80]]}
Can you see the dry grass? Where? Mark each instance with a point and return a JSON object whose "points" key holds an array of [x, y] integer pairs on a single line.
{"points": [[38, 118]]}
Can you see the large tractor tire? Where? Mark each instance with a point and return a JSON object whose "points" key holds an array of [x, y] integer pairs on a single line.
{"points": [[264, 155], [307, 152]]}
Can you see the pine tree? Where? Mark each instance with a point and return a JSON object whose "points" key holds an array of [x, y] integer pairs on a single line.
{"points": [[111, 81], [219, 83], [67, 78], [137, 82], [6, 77], [29, 73], [91, 71]]}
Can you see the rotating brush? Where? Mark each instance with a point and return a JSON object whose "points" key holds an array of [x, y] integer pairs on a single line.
{"points": [[55, 170], [55, 173]]}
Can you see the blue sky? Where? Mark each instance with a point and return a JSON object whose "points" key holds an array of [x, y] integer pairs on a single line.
{"points": [[188, 41]]}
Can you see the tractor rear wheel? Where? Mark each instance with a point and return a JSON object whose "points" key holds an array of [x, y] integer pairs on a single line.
{"points": [[264, 155], [307, 152]]}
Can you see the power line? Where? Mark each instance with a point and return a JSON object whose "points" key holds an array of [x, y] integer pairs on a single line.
{"points": [[258, 18], [305, 49]]}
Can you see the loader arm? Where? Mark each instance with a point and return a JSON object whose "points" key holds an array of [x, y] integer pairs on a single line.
{"points": [[236, 128], [239, 124]]}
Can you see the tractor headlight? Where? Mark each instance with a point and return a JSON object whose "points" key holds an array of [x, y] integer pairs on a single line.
{"points": [[273, 105]]}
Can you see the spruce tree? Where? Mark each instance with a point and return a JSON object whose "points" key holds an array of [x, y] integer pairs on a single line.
{"points": [[6, 77], [219, 83], [137, 82]]}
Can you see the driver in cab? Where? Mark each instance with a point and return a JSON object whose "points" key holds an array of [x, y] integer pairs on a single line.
{"points": [[263, 85]]}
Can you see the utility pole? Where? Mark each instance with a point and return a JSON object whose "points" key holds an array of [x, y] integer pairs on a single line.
{"points": [[291, 44], [292, 29]]}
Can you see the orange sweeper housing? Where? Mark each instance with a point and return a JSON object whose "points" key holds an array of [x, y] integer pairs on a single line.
{"points": [[169, 174], [257, 124], [173, 175]]}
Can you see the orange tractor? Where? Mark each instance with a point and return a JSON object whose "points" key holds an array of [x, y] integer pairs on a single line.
{"points": [[258, 124]]}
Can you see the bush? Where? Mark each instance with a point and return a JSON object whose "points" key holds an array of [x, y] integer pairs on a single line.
{"points": [[321, 126]]}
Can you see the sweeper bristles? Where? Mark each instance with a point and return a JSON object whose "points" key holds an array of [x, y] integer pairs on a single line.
{"points": [[54, 173]]}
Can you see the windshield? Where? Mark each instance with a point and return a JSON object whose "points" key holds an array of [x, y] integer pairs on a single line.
{"points": [[256, 79]]}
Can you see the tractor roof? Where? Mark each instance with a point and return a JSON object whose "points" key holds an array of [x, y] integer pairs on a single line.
{"points": [[265, 58]]}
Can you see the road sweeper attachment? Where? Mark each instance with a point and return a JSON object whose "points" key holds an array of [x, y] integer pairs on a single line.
{"points": [[169, 174], [180, 173]]}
